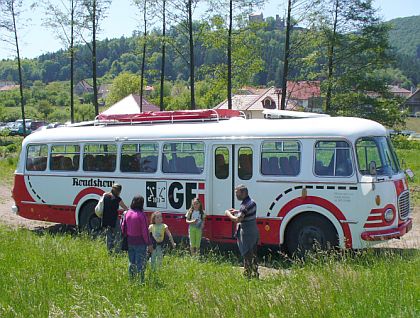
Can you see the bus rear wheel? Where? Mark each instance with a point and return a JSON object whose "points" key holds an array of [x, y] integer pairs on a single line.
{"points": [[88, 220], [309, 233]]}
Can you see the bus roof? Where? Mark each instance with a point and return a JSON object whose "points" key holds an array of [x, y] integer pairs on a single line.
{"points": [[235, 128]]}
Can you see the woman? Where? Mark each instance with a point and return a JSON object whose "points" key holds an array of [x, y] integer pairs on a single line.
{"points": [[135, 226], [110, 222]]}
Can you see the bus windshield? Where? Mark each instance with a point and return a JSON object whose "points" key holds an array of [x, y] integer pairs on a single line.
{"points": [[379, 150]]}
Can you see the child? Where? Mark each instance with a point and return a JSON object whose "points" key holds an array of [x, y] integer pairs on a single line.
{"points": [[157, 231], [195, 218]]}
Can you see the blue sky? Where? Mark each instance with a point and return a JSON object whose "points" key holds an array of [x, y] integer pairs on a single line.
{"points": [[36, 40]]}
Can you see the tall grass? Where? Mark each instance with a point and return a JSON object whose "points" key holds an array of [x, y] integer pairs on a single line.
{"points": [[73, 276]]}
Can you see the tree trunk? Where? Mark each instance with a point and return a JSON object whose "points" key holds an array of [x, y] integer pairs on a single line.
{"points": [[190, 30], [331, 61], [22, 101], [162, 72], [143, 61], [95, 84], [286, 58], [72, 63], [229, 56]]}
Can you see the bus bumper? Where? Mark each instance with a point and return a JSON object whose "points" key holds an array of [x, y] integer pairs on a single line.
{"points": [[383, 235], [15, 209]]}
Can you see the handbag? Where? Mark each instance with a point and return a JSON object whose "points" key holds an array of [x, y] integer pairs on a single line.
{"points": [[124, 241], [99, 208]]}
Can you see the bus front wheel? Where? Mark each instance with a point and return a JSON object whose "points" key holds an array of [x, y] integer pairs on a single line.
{"points": [[310, 232], [88, 220]]}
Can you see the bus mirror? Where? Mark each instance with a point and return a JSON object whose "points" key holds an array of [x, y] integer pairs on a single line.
{"points": [[372, 168], [409, 173], [403, 163]]}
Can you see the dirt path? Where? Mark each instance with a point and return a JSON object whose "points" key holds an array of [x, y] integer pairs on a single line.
{"points": [[410, 240]]}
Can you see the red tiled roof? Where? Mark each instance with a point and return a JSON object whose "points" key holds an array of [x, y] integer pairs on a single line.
{"points": [[303, 90]]}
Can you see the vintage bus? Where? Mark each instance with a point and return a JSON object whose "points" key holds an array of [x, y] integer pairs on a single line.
{"points": [[331, 180]]}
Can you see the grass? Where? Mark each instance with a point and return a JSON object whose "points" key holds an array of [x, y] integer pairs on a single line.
{"points": [[73, 276], [411, 160], [413, 124]]}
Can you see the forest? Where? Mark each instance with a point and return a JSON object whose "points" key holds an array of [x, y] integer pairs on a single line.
{"points": [[387, 53]]}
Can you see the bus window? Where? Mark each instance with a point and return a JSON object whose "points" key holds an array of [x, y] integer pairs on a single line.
{"points": [[280, 158], [183, 157], [221, 162], [333, 159], [245, 163], [379, 150], [65, 157], [100, 157], [139, 157], [36, 157]]}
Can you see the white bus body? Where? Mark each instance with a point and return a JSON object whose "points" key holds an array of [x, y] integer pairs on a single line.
{"points": [[309, 177]]}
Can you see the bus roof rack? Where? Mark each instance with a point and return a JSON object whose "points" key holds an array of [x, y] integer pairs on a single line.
{"points": [[199, 115], [288, 114]]}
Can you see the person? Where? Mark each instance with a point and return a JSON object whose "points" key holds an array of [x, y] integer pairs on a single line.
{"points": [[195, 219], [247, 231], [112, 201], [158, 230], [135, 227]]}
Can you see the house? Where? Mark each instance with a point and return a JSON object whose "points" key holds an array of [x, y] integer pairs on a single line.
{"points": [[8, 87], [300, 96], [103, 90], [83, 87], [130, 105], [413, 103], [399, 91]]}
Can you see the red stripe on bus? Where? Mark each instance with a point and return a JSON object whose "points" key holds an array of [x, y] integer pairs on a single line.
{"points": [[325, 204], [399, 187], [91, 190], [378, 215], [51, 213], [20, 192]]}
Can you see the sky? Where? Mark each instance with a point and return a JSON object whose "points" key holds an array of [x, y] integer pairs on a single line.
{"points": [[36, 39]]}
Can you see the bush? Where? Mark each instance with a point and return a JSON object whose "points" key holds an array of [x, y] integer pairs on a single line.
{"points": [[402, 142]]}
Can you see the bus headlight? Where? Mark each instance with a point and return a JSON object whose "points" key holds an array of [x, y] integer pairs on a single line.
{"points": [[389, 215]]}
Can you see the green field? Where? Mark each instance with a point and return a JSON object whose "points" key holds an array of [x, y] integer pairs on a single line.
{"points": [[60, 275]]}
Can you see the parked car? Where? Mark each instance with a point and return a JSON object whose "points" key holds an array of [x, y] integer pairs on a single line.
{"points": [[17, 129], [36, 124], [414, 136]]}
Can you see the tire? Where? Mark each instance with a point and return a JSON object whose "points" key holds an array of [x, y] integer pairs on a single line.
{"points": [[88, 220], [310, 232]]}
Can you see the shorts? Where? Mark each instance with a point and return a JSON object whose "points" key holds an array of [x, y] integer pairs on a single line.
{"points": [[195, 234]]}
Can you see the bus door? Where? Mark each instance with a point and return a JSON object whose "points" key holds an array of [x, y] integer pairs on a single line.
{"points": [[232, 165]]}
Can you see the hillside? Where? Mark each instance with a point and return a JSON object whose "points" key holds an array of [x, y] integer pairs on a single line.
{"points": [[405, 35]]}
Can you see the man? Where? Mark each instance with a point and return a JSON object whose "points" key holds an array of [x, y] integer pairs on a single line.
{"points": [[247, 232], [110, 222]]}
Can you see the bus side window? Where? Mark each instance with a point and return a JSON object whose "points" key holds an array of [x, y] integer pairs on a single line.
{"points": [[100, 157], [333, 159], [245, 163], [183, 157], [36, 157], [221, 163], [280, 158], [64, 157]]}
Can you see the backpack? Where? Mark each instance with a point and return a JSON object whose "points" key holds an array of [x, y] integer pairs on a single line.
{"points": [[99, 208]]}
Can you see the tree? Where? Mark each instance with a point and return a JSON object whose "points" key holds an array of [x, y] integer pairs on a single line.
{"points": [[144, 6], [63, 17], [122, 86], [10, 11], [95, 12]]}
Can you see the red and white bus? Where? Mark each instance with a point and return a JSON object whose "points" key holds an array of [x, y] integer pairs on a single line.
{"points": [[333, 180]]}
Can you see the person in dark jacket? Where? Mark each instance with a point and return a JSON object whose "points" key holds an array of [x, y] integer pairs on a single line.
{"points": [[110, 222], [247, 234]]}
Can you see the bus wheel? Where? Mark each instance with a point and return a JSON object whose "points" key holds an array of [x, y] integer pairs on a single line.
{"points": [[88, 220], [308, 233]]}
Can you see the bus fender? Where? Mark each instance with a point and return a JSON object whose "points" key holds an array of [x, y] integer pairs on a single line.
{"points": [[300, 210], [82, 201]]}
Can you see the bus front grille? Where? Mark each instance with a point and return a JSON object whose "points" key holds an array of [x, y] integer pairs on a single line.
{"points": [[404, 205]]}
